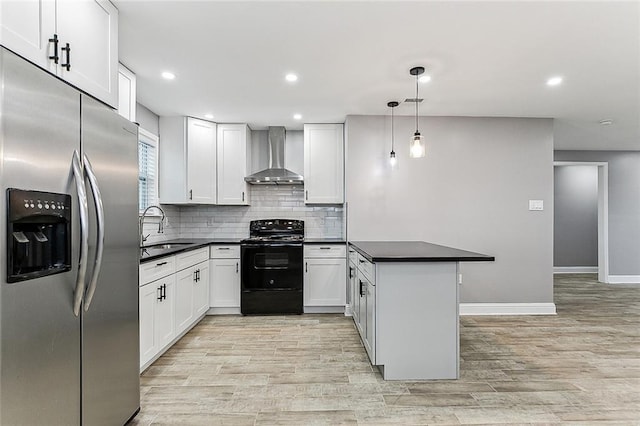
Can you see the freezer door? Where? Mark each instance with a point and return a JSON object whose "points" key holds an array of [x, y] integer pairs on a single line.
{"points": [[110, 331], [40, 344]]}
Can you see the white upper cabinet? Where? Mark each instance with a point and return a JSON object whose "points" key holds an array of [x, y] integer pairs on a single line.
{"points": [[233, 161], [26, 27], [76, 40], [323, 164], [126, 93], [187, 169]]}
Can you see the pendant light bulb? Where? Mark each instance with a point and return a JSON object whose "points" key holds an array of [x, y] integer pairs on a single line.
{"points": [[392, 155], [416, 146]]}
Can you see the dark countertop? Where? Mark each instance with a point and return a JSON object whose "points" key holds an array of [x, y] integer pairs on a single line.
{"points": [[182, 244], [325, 241], [414, 251], [187, 244]]}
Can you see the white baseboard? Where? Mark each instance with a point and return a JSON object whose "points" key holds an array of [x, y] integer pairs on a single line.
{"points": [[324, 309], [507, 309], [624, 279], [575, 269], [224, 311]]}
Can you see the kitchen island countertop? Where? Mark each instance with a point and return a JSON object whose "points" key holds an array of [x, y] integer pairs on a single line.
{"points": [[414, 251]]}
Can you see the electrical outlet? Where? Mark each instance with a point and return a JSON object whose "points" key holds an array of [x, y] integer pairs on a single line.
{"points": [[211, 221], [536, 205]]}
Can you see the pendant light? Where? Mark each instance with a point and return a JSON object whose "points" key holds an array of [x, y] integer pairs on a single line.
{"points": [[392, 156], [417, 148]]}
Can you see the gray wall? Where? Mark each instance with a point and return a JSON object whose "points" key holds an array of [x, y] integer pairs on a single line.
{"points": [[470, 192], [624, 205], [147, 119], [575, 219]]}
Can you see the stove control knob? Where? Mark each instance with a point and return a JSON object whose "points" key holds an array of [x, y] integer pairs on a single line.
{"points": [[271, 282]]}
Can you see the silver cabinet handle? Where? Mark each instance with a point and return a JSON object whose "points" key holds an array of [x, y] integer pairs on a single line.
{"points": [[306, 195], [325, 248], [97, 199], [243, 196], [224, 248], [236, 267], [84, 232]]}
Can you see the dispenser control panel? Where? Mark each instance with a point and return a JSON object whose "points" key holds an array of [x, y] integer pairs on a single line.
{"points": [[39, 234]]}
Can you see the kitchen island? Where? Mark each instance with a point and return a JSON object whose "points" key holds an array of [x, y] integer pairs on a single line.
{"points": [[404, 301]]}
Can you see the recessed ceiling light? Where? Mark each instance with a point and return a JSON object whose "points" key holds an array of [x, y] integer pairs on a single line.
{"points": [[291, 77], [168, 75], [425, 79], [554, 81], [606, 122], [209, 116], [297, 116]]}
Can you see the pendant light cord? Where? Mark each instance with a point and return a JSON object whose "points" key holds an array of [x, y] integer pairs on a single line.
{"points": [[417, 102], [392, 108]]}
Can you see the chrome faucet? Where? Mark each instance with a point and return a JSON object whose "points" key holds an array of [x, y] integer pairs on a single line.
{"points": [[143, 238]]}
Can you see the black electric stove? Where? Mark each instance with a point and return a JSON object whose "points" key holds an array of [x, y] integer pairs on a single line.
{"points": [[272, 273]]}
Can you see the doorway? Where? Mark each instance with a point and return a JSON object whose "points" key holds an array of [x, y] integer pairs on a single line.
{"points": [[602, 214]]}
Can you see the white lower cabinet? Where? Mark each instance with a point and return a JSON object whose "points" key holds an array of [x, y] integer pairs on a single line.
{"points": [[185, 281], [325, 276], [157, 313], [201, 290], [364, 299], [224, 268], [173, 302]]}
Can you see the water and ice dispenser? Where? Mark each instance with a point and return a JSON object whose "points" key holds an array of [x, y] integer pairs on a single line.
{"points": [[39, 234]]}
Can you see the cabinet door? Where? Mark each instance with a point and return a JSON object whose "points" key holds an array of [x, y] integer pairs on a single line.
{"points": [[232, 164], [325, 282], [26, 27], [165, 312], [185, 280], [362, 305], [224, 283], [148, 338], [126, 93], [201, 290], [354, 297], [370, 332], [323, 164], [201, 161], [91, 29]]}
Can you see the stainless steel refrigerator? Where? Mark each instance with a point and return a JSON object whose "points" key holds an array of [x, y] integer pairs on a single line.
{"points": [[69, 336]]}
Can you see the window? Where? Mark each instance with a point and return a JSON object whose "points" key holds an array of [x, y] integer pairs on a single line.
{"points": [[147, 169]]}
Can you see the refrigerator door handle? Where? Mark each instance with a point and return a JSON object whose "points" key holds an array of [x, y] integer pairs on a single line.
{"points": [[84, 232], [97, 198]]}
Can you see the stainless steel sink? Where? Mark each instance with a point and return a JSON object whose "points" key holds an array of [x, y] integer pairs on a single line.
{"points": [[166, 246]]}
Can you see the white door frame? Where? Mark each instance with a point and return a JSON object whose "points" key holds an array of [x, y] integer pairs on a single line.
{"points": [[603, 213]]}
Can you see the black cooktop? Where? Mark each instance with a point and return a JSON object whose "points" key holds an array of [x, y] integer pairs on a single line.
{"points": [[275, 230]]}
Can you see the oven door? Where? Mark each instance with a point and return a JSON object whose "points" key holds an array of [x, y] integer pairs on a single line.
{"points": [[271, 266]]}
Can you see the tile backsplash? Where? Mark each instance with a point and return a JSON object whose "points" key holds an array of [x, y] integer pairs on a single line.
{"points": [[267, 202]]}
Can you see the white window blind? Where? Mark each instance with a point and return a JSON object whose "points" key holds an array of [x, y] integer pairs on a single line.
{"points": [[147, 169]]}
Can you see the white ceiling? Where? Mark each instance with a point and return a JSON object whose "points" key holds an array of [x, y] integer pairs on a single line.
{"points": [[485, 59]]}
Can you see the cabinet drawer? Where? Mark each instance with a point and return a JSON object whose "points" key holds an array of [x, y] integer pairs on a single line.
{"points": [[156, 269], [190, 258], [367, 268], [325, 250], [224, 252]]}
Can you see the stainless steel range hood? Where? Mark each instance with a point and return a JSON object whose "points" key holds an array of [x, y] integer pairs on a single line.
{"points": [[276, 174]]}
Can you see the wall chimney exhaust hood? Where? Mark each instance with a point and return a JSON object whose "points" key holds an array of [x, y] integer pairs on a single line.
{"points": [[276, 174]]}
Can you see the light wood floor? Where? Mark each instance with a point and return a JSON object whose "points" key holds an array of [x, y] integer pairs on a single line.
{"points": [[580, 367]]}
